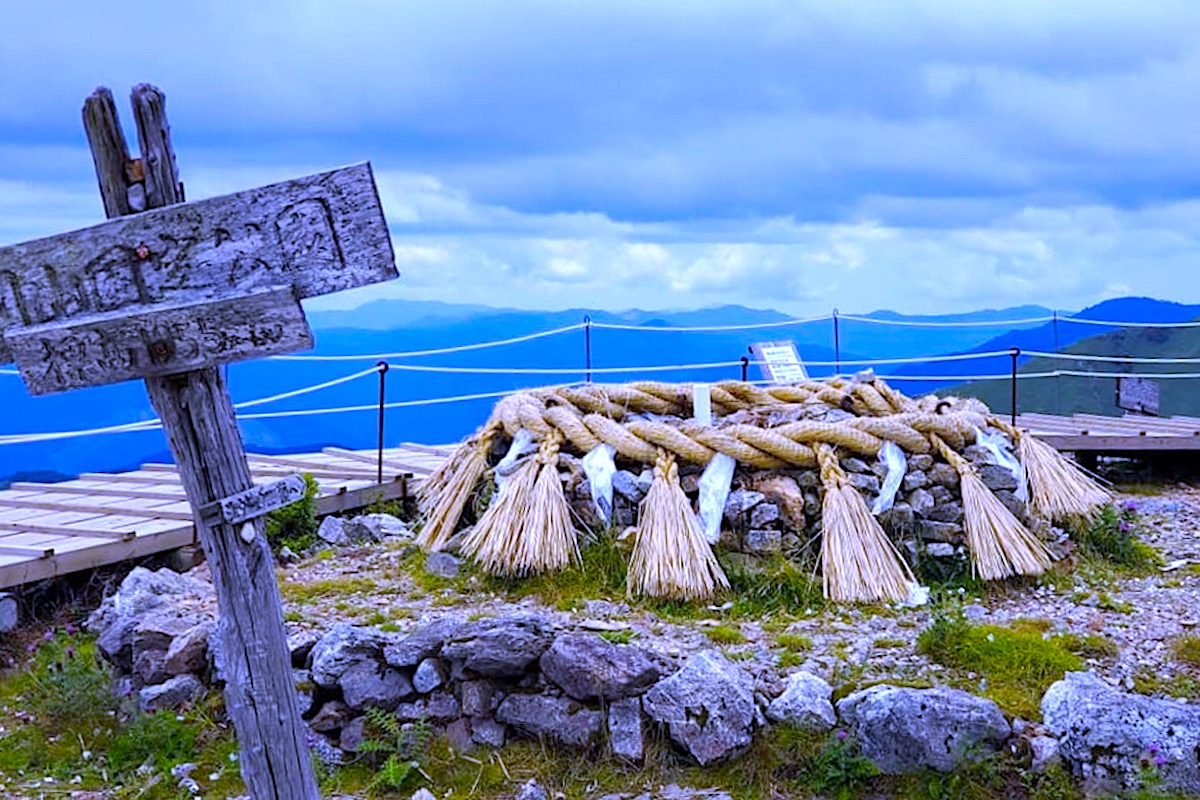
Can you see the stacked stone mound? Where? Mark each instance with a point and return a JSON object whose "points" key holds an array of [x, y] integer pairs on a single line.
{"points": [[792, 446], [485, 682]]}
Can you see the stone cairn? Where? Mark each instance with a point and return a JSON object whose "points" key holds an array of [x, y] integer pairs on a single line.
{"points": [[796, 448]]}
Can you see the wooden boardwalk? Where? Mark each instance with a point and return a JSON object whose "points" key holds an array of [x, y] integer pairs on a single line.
{"points": [[1090, 433], [52, 529]]}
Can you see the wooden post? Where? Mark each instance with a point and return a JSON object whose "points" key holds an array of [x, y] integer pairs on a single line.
{"points": [[201, 427]]}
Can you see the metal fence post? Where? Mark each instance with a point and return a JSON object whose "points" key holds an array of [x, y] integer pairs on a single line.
{"points": [[587, 347], [383, 368], [1014, 353], [837, 344], [745, 368]]}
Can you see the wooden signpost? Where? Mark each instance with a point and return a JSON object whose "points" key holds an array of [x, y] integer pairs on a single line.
{"points": [[171, 295]]}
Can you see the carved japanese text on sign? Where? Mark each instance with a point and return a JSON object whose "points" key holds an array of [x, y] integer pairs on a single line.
{"points": [[317, 234], [258, 501], [93, 351], [1139, 395]]}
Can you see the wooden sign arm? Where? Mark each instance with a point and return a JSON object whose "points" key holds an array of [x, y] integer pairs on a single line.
{"points": [[201, 426]]}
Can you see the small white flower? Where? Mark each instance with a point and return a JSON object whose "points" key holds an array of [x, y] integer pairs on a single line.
{"points": [[991, 637]]}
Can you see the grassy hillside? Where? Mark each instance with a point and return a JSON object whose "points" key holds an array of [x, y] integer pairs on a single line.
{"points": [[1074, 395]]}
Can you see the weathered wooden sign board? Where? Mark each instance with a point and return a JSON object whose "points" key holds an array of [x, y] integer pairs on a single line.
{"points": [[257, 502], [1139, 395], [171, 295], [779, 361]]}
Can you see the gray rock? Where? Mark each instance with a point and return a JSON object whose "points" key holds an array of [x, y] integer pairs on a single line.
{"points": [[762, 542], [429, 675], [300, 645], [587, 666], [812, 504], [10, 612], [443, 707], [325, 751], [645, 479], [739, 503], [189, 651], [864, 483], [978, 455], [302, 680], [333, 531], [425, 642], [626, 729], [412, 712], [1104, 733], [485, 730], [708, 706], [906, 730], [921, 501], [804, 703], [423, 794], [171, 693], [856, 465], [941, 494], [932, 531], [946, 512], [940, 550], [917, 479], [763, 515], [368, 684], [376, 528], [442, 564], [974, 612], [353, 734], [942, 475], [500, 648], [459, 737], [532, 790], [330, 717], [997, 478], [150, 667], [558, 718], [343, 646], [626, 485], [901, 516], [920, 462], [1045, 752], [808, 479], [477, 697], [142, 590]]}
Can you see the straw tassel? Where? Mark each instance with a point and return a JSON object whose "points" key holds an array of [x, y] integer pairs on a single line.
{"points": [[1000, 545], [859, 563], [527, 529], [670, 557], [1058, 488], [445, 493]]}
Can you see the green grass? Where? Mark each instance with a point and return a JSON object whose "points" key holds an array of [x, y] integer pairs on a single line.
{"points": [[724, 634], [1114, 535], [1186, 649], [1087, 645], [295, 526], [1018, 664], [619, 637], [794, 641], [298, 592]]}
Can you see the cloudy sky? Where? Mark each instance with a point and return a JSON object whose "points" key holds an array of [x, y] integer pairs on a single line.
{"points": [[921, 155]]}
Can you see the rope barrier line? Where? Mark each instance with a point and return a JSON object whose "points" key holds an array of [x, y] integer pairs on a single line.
{"points": [[1112, 359], [561, 371], [749, 326], [309, 389], [529, 337], [903, 323]]}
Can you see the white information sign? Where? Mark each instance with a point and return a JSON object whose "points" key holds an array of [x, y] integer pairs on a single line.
{"points": [[779, 361]]}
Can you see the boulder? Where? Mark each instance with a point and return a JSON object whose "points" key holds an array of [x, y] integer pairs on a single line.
{"points": [[376, 528], [485, 730], [368, 684], [856, 465], [300, 645], [424, 642], [443, 707], [476, 697], [500, 648], [189, 651], [343, 646], [353, 735], [443, 565], [784, 492], [933, 531], [1105, 733], [558, 718], [626, 729], [997, 478], [429, 675], [764, 514], [942, 475], [906, 730], [738, 504], [333, 531], [864, 483], [172, 693], [330, 717], [115, 621], [626, 485], [946, 512], [917, 479], [804, 703], [587, 666], [920, 462], [708, 706], [921, 501], [762, 542]]}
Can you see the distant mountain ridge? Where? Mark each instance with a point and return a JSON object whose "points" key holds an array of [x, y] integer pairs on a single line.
{"points": [[385, 328]]}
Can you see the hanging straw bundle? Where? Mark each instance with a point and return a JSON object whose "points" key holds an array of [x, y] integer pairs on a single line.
{"points": [[670, 557], [1000, 545], [445, 493], [527, 528], [1058, 488], [859, 563]]}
